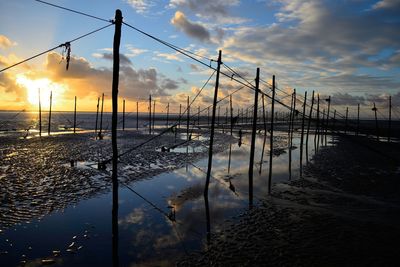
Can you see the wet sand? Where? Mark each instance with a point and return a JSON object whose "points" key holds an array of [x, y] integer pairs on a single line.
{"points": [[345, 211], [36, 177]]}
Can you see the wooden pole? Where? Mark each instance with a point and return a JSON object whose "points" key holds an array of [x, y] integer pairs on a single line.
{"points": [[358, 119], [316, 136], [290, 134], [101, 116], [210, 150], [230, 104], [253, 140], [390, 118], [40, 116], [137, 115], [97, 114], [327, 118], [309, 123], [123, 115], [75, 116], [265, 133], [115, 81], [271, 145], [376, 122], [302, 133], [334, 120], [150, 114], [51, 100]]}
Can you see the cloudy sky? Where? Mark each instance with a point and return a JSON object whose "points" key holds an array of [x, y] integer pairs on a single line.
{"points": [[349, 49]]}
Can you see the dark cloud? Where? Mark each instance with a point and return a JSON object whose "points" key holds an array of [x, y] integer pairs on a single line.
{"points": [[123, 60], [192, 29]]}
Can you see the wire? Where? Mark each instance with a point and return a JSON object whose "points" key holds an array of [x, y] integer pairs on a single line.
{"points": [[54, 48], [74, 11]]}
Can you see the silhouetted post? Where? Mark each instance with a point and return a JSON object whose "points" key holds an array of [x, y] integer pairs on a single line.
{"points": [[290, 134], [271, 145], [40, 116], [97, 114], [265, 133], [309, 123], [101, 116], [150, 114], [75, 116], [253, 140], [390, 118], [51, 100], [208, 221], [358, 119], [376, 122], [322, 127], [114, 122], [347, 115], [154, 113], [302, 133], [210, 150], [123, 115], [316, 136], [167, 114], [327, 117], [137, 115], [187, 119]]}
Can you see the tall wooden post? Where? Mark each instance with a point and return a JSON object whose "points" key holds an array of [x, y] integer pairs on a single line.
{"points": [[115, 81], [316, 136], [376, 122], [137, 115], [290, 135], [309, 123], [230, 104], [150, 114], [101, 116], [75, 116], [123, 115], [214, 107], [40, 115], [390, 118], [347, 116], [265, 133], [253, 140], [97, 114], [327, 118], [271, 145], [358, 119], [51, 100], [302, 133]]}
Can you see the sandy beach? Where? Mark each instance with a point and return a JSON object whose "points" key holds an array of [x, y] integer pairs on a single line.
{"points": [[343, 212]]}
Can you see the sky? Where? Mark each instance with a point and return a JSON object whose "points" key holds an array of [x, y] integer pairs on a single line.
{"points": [[348, 49]]}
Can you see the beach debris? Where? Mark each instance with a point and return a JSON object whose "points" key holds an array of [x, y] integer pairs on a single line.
{"points": [[56, 253], [48, 261], [71, 245]]}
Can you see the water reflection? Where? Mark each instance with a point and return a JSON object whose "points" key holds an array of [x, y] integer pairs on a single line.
{"points": [[177, 218]]}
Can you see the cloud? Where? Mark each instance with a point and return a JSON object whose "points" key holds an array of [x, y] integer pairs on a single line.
{"points": [[123, 60], [133, 51], [140, 6], [215, 10], [192, 29], [5, 42], [387, 4]]}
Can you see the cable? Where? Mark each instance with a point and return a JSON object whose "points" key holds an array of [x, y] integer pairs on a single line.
{"points": [[54, 48], [74, 11]]}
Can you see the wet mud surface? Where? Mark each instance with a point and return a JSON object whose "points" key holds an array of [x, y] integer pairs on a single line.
{"points": [[345, 211]]}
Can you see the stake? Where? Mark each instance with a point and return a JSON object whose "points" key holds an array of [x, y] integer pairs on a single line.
{"points": [[302, 134], [358, 119], [265, 133], [309, 123], [97, 114], [376, 122], [187, 119], [123, 115], [271, 145], [154, 113], [327, 118], [253, 140], [51, 99], [40, 116], [317, 126], [75, 116], [230, 103], [210, 150], [117, 40], [101, 116], [290, 134]]}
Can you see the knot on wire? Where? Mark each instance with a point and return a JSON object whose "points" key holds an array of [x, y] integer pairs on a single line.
{"points": [[66, 50]]}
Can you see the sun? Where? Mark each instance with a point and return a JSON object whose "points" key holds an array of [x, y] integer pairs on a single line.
{"points": [[44, 86]]}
